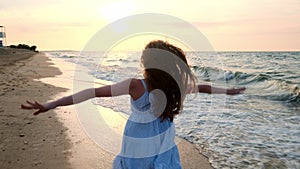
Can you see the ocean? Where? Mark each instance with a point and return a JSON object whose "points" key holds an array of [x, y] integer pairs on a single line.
{"points": [[257, 129]]}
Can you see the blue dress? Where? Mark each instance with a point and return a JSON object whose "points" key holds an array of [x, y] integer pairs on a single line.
{"points": [[148, 142]]}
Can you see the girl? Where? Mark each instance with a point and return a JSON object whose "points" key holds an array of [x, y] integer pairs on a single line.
{"points": [[148, 140]]}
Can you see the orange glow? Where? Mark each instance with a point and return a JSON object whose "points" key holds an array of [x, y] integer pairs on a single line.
{"points": [[229, 25]]}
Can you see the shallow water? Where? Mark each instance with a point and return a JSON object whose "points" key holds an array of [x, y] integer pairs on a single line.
{"points": [[258, 129]]}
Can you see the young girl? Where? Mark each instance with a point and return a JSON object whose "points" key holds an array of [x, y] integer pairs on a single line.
{"points": [[148, 139]]}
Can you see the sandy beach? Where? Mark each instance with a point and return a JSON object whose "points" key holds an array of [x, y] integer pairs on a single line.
{"points": [[54, 139]]}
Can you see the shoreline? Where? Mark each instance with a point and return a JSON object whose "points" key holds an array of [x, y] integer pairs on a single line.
{"points": [[55, 139]]}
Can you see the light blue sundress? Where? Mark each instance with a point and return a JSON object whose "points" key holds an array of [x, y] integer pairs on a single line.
{"points": [[148, 142]]}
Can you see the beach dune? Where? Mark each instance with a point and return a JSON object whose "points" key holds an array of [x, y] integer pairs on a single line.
{"points": [[54, 139]]}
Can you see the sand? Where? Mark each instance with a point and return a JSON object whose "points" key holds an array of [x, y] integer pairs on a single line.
{"points": [[54, 139]]}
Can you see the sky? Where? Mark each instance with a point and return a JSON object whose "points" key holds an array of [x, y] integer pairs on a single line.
{"points": [[231, 25]]}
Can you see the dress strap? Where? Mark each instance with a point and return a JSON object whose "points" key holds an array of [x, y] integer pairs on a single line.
{"points": [[144, 84]]}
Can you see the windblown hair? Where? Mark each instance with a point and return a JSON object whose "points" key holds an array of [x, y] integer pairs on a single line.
{"points": [[167, 70]]}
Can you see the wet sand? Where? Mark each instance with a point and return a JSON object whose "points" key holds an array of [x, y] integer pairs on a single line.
{"points": [[55, 139]]}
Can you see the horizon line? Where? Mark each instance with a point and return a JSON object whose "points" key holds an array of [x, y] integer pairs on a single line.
{"points": [[66, 50]]}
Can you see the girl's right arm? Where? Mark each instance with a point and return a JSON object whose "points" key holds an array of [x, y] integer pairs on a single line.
{"points": [[216, 90]]}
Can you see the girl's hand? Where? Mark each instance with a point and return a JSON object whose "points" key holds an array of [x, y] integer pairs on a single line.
{"points": [[235, 91], [35, 105]]}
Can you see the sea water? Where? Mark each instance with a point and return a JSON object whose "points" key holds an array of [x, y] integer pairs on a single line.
{"points": [[257, 129]]}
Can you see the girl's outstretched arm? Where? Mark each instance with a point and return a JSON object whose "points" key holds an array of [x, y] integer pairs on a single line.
{"points": [[216, 90], [117, 89]]}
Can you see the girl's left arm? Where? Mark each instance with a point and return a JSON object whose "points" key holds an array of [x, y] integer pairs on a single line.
{"points": [[117, 89]]}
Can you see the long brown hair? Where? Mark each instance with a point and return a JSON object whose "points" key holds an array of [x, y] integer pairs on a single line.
{"points": [[166, 69]]}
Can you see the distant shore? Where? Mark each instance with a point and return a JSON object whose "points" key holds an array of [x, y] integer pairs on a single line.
{"points": [[54, 139], [9, 56]]}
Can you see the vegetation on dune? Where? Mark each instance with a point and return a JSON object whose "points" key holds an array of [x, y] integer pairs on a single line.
{"points": [[24, 46]]}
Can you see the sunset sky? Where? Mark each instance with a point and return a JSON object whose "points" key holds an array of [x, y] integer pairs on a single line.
{"points": [[231, 25]]}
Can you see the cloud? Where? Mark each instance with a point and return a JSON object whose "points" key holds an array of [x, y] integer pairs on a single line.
{"points": [[11, 4], [21, 4]]}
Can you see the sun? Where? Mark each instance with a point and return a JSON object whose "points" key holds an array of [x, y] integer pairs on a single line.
{"points": [[115, 11]]}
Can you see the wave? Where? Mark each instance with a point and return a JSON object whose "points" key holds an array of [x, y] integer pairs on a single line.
{"points": [[215, 74], [283, 90], [291, 98], [275, 86]]}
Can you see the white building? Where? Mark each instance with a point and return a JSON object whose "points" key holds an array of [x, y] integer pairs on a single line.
{"points": [[2, 36]]}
